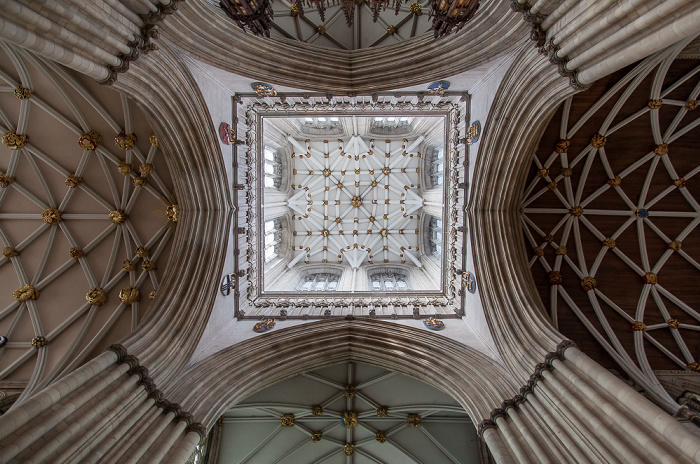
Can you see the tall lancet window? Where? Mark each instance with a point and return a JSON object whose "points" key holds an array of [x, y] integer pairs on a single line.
{"points": [[273, 169], [437, 162], [273, 238], [435, 235]]}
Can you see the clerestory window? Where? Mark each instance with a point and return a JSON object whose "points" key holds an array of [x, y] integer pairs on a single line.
{"points": [[437, 163], [273, 238], [435, 235], [273, 169], [319, 282], [388, 281]]}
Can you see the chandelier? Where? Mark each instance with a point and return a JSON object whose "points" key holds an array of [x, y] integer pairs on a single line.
{"points": [[256, 15], [451, 15]]}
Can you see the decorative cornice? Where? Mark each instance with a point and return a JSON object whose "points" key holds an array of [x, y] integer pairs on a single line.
{"points": [[271, 303], [144, 379], [517, 400]]}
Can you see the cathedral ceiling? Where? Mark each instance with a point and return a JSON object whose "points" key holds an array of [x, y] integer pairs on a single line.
{"points": [[611, 215], [84, 218], [332, 31], [384, 416], [358, 200]]}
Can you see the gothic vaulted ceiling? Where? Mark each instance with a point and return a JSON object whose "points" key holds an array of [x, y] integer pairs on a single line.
{"points": [[611, 214], [348, 413], [85, 222]]}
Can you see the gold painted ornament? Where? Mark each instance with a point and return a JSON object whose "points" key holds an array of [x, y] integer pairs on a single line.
{"points": [[125, 141], [287, 420], [380, 437], [348, 449], [673, 323], [118, 216], [154, 140], [588, 283], [39, 341], [128, 265], [147, 265], [382, 411], [145, 169], [639, 326], [316, 437], [414, 420], [5, 180], [90, 140], [22, 93], [173, 212], [349, 391], [13, 141], [124, 168], [96, 296], [598, 141], [139, 181], [51, 216], [76, 253], [129, 295], [25, 292], [73, 181], [350, 419], [316, 410], [10, 253], [142, 252]]}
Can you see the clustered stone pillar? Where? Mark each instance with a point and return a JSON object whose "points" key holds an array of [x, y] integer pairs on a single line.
{"points": [[98, 39], [590, 39], [76, 419], [589, 415]]}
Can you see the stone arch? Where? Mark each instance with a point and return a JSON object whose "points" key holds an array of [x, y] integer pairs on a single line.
{"points": [[475, 380]]}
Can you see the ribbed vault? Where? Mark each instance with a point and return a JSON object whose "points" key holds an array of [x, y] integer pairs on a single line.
{"points": [[611, 216], [86, 218]]}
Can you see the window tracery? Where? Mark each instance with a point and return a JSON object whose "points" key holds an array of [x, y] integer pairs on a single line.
{"points": [[389, 281], [273, 168], [435, 236], [319, 282], [437, 162], [273, 239]]}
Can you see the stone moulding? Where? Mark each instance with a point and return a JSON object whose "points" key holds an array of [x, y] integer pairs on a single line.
{"points": [[546, 47], [155, 393], [453, 108], [518, 399]]}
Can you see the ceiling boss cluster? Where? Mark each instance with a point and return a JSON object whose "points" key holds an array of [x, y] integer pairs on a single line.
{"points": [[256, 16]]}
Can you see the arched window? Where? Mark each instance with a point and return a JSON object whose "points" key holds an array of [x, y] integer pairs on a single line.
{"points": [[435, 235], [273, 238], [437, 162], [319, 282], [388, 281], [322, 125], [391, 125], [273, 168]]}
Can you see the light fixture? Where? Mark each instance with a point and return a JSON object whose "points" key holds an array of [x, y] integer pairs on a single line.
{"points": [[255, 15], [451, 15]]}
